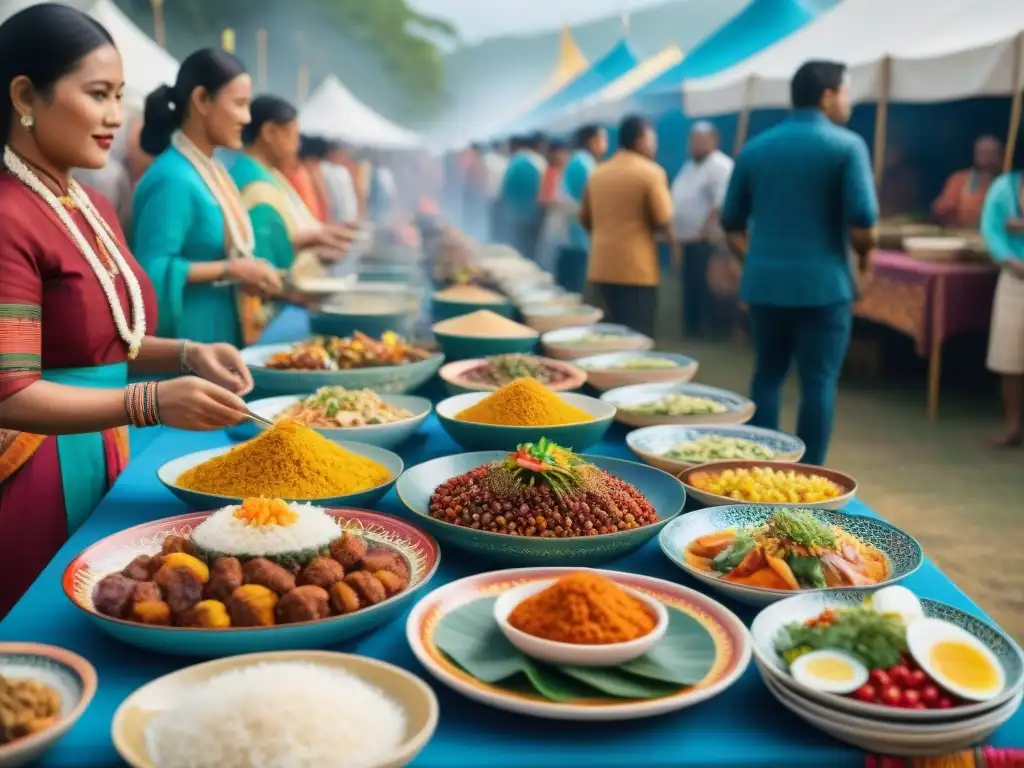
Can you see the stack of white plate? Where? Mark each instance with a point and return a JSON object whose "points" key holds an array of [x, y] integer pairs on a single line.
{"points": [[874, 727]]}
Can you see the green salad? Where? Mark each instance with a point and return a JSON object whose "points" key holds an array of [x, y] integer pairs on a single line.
{"points": [[599, 338], [678, 405], [718, 448]]}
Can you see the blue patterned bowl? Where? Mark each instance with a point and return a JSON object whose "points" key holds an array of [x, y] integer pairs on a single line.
{"points": [[738, 409], [902, 550], [417, 485], [459, 347], [385, 379], [68, 674], [799, 608], [381, 435], [602, 373], [481, 437], [572, 343], [652, 443], [172, 470], [708, 499], [454, 376], [444, 309], [114, 552], [338, 322]]}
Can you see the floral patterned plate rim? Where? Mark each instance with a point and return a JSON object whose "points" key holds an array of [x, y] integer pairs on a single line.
{"points": [[114, 552], [903, 551], [731, 638]]}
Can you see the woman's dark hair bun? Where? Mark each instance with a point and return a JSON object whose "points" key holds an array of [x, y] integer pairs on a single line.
{"points": [[44, 42], [267, 109], [167, 107]]}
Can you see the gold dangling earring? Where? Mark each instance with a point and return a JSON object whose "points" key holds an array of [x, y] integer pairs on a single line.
{"points": [[27, 121]]}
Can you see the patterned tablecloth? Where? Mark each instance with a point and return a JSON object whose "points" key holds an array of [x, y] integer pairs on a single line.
{"points": [[927, 301]]}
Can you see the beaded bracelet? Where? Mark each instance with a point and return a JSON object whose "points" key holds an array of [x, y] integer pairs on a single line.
{"points": [[182, 358], [141, 404]]}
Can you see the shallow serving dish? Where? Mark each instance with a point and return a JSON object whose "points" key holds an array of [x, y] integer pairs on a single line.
{"points": [[385, 379], [478, 437], [714, 500], [902, 550], [417, 485], [805, 605], [550, 317], [453, 375], [169, 473], [738, 409], [67, 673], [607, 655], [382, 435], [415, 697], [568, 344], [732, 645], [447, 308], [652, 443], [461, 347], [602, 374], [324, 285], [117, 550]]}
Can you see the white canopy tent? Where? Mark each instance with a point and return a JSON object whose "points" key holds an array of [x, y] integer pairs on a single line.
{"points": [[860, 33], [333, 112], [146, 64]]}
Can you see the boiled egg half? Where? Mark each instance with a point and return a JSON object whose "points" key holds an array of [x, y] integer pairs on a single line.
{"points": [[956, 659], [897, 601], [829, 672]]}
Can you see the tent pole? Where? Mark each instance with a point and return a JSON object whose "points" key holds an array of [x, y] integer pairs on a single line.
{"points": [[743, 124], [261, 56], [1015, 104], [159, 30], [882, 122]]}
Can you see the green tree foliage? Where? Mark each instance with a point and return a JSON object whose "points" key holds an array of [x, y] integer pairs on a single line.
{"points": [[382, 49]]}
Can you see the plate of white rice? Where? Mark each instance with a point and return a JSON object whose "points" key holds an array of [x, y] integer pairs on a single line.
{"points": [[303, 709]]}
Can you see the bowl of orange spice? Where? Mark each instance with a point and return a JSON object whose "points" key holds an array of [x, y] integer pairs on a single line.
{"points": [[583, 619]]}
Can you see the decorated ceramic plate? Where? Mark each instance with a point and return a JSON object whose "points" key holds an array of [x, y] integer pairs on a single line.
{"points": [[70, 676], [704, 623], [382, 435], [653, 443], [844, 481], [454, 375], [798, 608], [584, 340], [635, 405], [169, 473], [131, 724], [417, 485], [621, 369], [113, 553], [385, 379], [900, 549]]}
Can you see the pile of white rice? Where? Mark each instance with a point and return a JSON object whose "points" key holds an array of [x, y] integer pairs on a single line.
{"points": [[278, 715], [223, 532]]}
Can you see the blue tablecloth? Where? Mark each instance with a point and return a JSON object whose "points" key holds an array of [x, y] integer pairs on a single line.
{"points": [[743, 727]]}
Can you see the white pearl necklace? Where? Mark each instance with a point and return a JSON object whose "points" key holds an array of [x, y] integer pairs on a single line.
{"points": [[240, 232], [134, 335]]}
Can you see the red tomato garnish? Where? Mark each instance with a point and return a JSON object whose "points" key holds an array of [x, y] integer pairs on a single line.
{"points": [[910, 698], [930, 695], [880, 678], [945, 703], [915, 678], [919, 705], [867, 693], [898, 673], [891, 696]]}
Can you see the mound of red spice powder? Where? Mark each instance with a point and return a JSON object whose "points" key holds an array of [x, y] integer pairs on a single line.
{"points": [[488, 499]]}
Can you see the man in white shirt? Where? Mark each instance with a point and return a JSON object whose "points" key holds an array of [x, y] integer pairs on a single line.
{"points": [[341, 188], [697, 196]]}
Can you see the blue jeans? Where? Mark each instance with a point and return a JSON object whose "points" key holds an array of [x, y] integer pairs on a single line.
{"points": [[817, 337], [571, 268], [697, 296]]}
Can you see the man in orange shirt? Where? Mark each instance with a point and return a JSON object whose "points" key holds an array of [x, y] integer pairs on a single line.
{"points": [[307, 179], [626, 207], [962, 198]]}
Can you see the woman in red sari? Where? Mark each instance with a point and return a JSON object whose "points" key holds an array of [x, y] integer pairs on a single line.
{"points": [[74, 304]]}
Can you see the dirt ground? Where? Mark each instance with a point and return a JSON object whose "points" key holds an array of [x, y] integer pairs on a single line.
{"points": [[938, 481]]}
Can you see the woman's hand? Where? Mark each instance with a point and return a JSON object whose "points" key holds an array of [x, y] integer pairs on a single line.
{"points": [[220, 363], [256, 276], [198, 405]]}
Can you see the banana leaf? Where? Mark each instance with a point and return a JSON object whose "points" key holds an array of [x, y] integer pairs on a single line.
{"points": [[470, 637]]}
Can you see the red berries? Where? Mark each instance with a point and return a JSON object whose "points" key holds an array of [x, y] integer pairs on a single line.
{"points": [[903, 685]]}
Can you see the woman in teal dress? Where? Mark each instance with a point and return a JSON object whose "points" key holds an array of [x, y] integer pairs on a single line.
{"points": [[287, 232], [191, 232]]}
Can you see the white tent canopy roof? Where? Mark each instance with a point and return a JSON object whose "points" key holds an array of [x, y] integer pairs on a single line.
{"points": [[146, 64], [333, 112], [862, 33]]}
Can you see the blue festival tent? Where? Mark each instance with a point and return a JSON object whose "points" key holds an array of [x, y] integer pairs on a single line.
{"points": [[617, 62]]}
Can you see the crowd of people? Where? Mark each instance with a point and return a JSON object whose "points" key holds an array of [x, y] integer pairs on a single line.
{"points": [[126, 304]]}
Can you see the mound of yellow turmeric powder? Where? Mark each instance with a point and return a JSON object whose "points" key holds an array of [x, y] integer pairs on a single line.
{"points": [[585, 609], [290, 461], [524, 403]]}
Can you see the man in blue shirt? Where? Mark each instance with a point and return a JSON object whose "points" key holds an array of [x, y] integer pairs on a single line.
{"points": [[800, 195], [591, 146], [520, 195]]}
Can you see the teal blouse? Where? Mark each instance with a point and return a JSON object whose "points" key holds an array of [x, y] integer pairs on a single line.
{"points": [[273, 241], [1002, 203]]}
